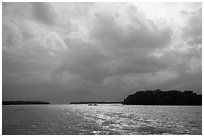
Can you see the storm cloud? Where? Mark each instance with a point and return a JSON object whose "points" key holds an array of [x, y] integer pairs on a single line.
{"points": [[62, 52]]}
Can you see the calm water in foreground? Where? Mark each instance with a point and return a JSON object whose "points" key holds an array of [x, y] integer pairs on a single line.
{"points": [[102, 119]]}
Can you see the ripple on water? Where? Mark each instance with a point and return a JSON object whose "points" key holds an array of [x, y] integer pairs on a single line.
{"points": [[153, 130], [102, 120]]}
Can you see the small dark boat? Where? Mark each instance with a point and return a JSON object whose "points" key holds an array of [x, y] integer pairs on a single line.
{"points": [[94, 104]]}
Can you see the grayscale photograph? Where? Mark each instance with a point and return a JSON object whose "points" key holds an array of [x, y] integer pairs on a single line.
{"points": [[101, 68]]}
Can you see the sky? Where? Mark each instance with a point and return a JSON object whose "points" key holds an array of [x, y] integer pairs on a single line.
{"points": [[64, 52]]}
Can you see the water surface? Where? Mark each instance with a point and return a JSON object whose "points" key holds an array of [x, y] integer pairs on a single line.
{"points": [[102, 119]]}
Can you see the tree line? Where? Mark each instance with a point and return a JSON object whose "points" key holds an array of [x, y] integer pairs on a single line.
{"points": [[95, 102], [159, 97], [23, 102]]}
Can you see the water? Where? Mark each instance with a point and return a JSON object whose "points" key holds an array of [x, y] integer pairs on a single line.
{"points": [[102, 119]]}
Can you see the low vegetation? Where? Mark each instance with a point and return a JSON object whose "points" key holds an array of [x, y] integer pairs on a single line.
{"points": [[95, 102], [23, 102], [159, 97]]}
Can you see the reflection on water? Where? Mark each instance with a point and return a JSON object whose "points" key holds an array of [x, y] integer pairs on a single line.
{"points": [[102, 119]]}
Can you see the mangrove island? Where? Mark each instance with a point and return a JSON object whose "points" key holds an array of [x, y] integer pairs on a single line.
{"points": [[159, 97], [23, 102]]}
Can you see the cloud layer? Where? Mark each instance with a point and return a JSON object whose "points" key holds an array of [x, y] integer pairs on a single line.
{"points": [[62, 52]]}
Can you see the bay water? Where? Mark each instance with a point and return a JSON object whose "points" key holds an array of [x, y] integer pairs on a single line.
{"points": [[104, 119]]}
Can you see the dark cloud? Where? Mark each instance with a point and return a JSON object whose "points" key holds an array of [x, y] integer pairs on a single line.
{"points": [[63, 52], [45, 13], [86, 61]]}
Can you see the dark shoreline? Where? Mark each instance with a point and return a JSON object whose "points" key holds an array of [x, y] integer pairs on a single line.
{"points": [[96, 102], [148, 97], [23, 102], [159, 97]]}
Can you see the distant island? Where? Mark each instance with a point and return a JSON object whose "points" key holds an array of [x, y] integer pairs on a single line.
{"points": [[95, 102], [23, 102], [147, 97], [159, 97]]}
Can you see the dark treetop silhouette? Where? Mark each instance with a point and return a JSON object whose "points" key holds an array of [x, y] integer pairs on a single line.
{"points": [[23, 102], [159, 97], [95, 102]]}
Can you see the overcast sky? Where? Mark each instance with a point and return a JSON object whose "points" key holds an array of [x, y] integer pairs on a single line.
{"points": [[62, 52]]}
